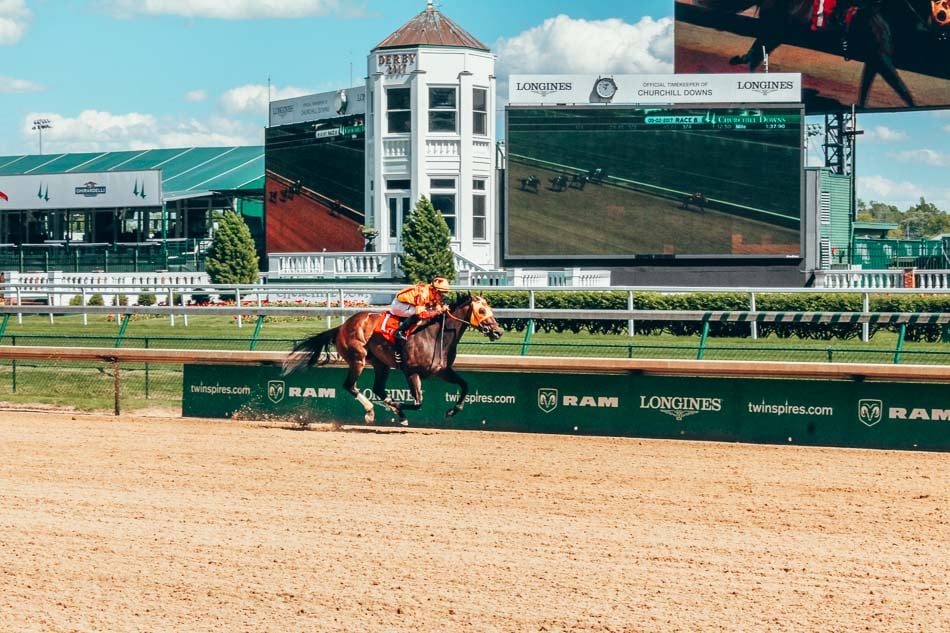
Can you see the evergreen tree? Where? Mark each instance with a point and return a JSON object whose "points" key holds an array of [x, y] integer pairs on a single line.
{"points": [[425, 244], [233, 256]]}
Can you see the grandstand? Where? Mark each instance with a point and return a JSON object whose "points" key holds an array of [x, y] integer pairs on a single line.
{"points": [[167, 232]]}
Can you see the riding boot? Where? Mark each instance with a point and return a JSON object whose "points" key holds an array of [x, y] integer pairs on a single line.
{"points": [[401, 336]]}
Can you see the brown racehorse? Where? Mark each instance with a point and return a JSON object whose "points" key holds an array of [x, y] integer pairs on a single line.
{"points": [[430, 351], [870, 35]]}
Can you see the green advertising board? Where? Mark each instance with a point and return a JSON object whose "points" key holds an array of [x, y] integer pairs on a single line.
{"points": [[766, 410]]}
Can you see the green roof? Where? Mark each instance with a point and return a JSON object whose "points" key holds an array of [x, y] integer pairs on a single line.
{"points": [[190, 172]]}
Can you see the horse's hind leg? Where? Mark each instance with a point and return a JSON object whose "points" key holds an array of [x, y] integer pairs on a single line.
{"points": [[379, 388], [879, 43], [415, 386], [889, 73], [450, 375]]}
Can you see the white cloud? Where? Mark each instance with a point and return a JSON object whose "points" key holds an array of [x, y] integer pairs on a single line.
{"points": [[231, 9], [880, 188], [93, 130], [12, 86], [13, 20], [252, 98], [196, 96], [884, 134], [564, 45], [924, 156]]}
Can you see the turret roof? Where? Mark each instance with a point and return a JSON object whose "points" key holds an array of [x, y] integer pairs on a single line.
{"points": [[430, 28]]}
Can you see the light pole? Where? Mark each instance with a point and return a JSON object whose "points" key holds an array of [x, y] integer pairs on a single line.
{"points": [[812, 130], [39, 125]]}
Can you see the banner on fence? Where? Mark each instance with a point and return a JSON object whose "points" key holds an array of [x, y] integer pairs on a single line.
{"points": [[812, 412]]}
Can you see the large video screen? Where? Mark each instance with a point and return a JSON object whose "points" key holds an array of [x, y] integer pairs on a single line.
{"points": [[324, 160], [604, 182], [877, 56]]}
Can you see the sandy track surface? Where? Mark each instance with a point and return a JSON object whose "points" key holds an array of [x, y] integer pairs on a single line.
{"points": [[163, 524]]}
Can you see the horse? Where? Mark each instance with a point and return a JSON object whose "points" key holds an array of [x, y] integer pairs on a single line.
{"points": [[870, 35], [429, 351]]}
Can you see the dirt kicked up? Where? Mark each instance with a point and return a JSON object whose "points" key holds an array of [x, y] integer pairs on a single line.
{"points": [[164, 524]]}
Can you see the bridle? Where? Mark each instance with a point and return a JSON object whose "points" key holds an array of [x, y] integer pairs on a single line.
{"points": [[479, 312]]}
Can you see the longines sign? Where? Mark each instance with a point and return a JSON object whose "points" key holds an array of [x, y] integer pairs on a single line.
{"points": [[655, 89], [89, 190], [316, 107]]}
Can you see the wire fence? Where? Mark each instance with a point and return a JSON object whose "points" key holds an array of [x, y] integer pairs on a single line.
{"points": [[90, 386]]}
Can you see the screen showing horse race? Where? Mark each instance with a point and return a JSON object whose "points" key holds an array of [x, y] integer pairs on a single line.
{"points": [[315, 180], [598, 182], [877, 56]]}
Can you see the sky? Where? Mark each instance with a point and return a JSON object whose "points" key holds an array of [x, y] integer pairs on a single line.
{"points": [[137, 74]]}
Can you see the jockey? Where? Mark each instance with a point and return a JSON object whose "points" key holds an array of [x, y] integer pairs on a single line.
{"points": [[416, 302]]}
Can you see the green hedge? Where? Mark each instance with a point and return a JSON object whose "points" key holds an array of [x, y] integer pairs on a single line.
{"points": [[774, 302]]}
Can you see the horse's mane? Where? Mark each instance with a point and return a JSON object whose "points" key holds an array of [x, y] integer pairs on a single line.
{"points": [[462, 299]]}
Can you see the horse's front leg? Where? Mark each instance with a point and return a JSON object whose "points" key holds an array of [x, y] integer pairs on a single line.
{"points": [[379, 388], [450, 375], [415, 387], [753, 57], [762, 47]]}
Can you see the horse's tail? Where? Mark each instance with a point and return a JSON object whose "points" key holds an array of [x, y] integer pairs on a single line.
{"points": [[314, 350], [730, 6]]}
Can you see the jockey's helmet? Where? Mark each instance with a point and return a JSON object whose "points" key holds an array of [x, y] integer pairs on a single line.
{"points": [[441, 284]]}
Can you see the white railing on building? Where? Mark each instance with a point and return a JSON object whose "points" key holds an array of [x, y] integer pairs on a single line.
{"points": [[385, 267], [332, 265], [442, 147], [482, 149], [396, 148], [881, 279], [462, 263], [523, 278]]}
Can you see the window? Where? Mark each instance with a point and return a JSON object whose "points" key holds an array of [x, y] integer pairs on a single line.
{"points": [[442, 198], [399, 210], [445, 203], [480, 112], [479, 213], [442, 183], [442, 110], [393, 185], [398, 113]]}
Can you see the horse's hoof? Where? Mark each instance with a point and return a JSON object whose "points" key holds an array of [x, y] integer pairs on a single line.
{"points": [[451, 413], [404, 422], [736, 61], [369, 418]]}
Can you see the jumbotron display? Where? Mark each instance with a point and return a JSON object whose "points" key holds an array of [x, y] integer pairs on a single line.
{"points": [[601, 182], [315, 181], [325, 158]]}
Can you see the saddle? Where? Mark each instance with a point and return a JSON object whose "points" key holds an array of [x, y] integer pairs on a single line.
{"points": [[388, 325]]}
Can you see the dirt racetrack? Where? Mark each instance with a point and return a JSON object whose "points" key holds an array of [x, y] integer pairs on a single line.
{"points": [[164, 524]]}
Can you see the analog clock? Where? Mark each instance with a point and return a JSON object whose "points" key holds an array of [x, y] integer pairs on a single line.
{"points": [[605, 88]]}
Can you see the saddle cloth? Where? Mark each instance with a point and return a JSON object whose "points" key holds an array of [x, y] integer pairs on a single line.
{"points": [[387, 326], [821, 13]]}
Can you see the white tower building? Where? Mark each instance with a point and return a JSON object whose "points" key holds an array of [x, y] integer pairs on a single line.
{"points": [[430, 131]]}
